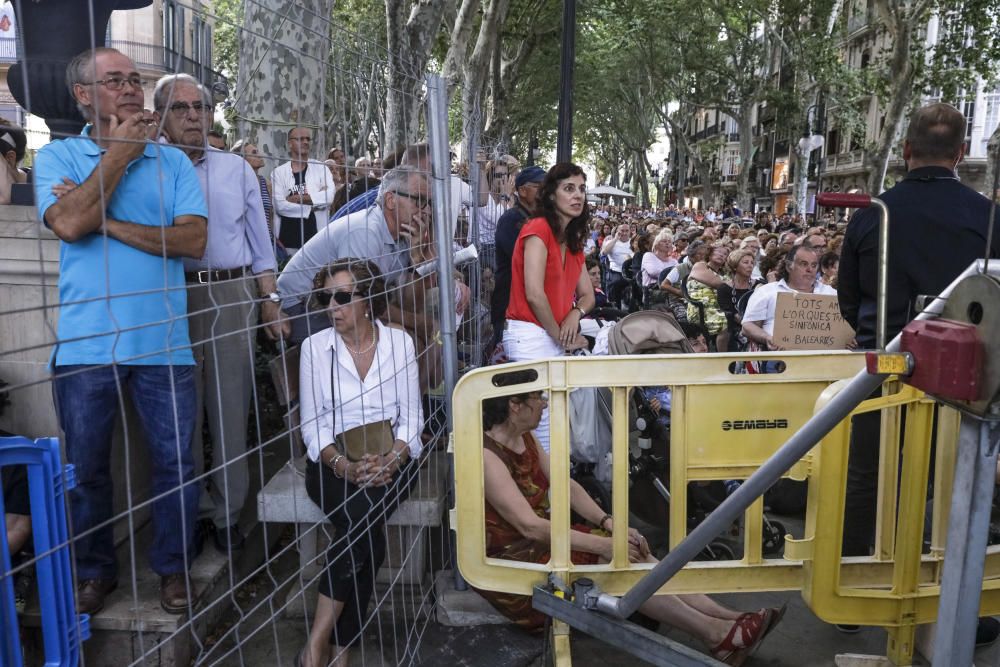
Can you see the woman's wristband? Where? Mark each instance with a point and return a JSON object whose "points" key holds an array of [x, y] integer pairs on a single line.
{"points": [[601, 523], [583, 313]]}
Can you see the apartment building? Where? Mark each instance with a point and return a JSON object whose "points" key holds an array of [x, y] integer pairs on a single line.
{"points": [[844, 153]]}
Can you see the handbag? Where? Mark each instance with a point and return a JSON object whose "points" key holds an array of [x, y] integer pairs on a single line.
{"points": [[374, 438]]}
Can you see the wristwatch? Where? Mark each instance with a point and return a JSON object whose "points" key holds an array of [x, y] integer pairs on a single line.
{"points": [[273, 297]]}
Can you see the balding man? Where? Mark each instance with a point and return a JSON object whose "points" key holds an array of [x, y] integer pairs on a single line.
{"points": [[136, 211]]}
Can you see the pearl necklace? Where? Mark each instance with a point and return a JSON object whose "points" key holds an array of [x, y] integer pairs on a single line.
{"points": [[358, 353]]}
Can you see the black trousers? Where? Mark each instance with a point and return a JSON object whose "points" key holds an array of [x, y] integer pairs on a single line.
{"points": [[358, 549], [860, 504]]}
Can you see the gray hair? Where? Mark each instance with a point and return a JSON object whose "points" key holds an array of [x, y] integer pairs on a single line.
{"points": [[81, 70], [663, 235], [394, 180], [165, 88]]}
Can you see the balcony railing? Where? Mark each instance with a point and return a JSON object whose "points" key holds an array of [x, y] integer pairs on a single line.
{"points": [[145, 56], [844, 161], [8, 50], [161, 59]]}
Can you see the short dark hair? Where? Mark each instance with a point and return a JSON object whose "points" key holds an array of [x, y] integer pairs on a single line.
{"points": [[368, 282], [497, 409], [936, 132], [576, 230], [692, 330]]}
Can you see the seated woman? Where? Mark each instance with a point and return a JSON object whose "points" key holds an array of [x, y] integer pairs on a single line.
{"points": [[361, 420], [516, 483], [707, 277]]}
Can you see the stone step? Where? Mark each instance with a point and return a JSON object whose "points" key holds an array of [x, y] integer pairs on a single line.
{"points": [[462, 608], [284, 499]]}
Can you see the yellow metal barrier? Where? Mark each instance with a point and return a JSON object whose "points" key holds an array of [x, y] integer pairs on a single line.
{"points": [[908, 597], [723, 426]]}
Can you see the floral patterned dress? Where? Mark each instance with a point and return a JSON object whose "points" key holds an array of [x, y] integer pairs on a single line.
{"points": [[504, 541]]}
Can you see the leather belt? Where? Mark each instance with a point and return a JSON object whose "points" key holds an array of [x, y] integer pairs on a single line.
{"points": [[216, 275]]}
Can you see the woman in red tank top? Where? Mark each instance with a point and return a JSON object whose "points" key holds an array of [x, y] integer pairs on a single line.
{"points": [[547, 276]]}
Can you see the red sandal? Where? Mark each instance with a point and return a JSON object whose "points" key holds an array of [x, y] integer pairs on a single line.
{"points": [[744, 637]]}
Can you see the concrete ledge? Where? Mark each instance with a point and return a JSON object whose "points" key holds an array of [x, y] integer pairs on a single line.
{"points": [[462, 608], [284, 500]]}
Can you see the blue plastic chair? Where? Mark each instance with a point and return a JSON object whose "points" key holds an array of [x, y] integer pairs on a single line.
{"points": [[62, 629]]}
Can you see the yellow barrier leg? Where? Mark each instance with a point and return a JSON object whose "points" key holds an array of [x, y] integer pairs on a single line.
{"points": [[900, 647], [561, 656]]}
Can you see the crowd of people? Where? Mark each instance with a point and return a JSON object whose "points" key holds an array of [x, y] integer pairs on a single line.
{"points": [[176, 251]]}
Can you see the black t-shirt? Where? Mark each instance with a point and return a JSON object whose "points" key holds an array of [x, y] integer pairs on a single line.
{"points": [[508, 229], [296, 231]]}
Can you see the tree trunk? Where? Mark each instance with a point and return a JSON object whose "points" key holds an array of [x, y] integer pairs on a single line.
{"points": [[458, 46], [992, 152], [746, 156], [409, 40], [289, 85], [902, 73], [477, 67]]}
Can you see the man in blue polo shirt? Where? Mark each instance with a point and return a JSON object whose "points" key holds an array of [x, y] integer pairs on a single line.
{"points": [[135, 210]]}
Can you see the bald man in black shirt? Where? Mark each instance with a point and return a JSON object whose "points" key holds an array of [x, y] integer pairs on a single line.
{"points": [[938, 226]]}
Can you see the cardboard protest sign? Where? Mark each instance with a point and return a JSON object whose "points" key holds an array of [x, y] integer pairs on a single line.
{"points": [[805, 321]]}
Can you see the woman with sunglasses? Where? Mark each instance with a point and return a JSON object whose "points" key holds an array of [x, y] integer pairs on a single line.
{"points": [[361, 421], [550, 292], [516, 484]]}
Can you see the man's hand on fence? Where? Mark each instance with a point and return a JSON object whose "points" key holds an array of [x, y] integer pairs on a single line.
{"points": [[464, 296]]}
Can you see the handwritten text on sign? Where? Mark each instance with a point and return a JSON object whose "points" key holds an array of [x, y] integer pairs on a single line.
{"points": [[810, 322]]}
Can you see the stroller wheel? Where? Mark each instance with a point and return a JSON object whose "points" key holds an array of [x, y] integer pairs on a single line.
{"points": [[773, 538], [717, 550]]}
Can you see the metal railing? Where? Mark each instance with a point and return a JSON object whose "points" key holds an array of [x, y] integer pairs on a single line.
{"points": [[162, 59]]}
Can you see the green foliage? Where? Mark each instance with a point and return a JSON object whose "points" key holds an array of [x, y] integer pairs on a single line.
{"points": [[228, 15]]}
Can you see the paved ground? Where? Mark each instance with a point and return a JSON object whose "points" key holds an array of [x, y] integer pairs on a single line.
{"points": [[266, 639]]}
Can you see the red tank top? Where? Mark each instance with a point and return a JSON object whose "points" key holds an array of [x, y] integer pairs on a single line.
{"points": [[561, 275]]}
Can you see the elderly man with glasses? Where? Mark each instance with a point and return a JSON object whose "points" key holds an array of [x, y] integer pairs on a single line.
{"points": [[226, 287], [126, 211], [394, 233]]}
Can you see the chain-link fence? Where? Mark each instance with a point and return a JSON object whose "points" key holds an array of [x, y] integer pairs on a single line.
{"points": [[248, 357]]}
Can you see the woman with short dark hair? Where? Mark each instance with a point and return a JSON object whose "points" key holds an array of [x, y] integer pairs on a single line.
{"points": [[361, 421]]}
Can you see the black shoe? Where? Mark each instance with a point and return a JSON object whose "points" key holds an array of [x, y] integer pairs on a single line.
{"points": [[90, 594], [230, 538], [987, 631], [848, 629]]}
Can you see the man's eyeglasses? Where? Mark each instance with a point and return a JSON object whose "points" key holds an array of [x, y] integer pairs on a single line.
{"points": [[341, 298], [421, 202], [500, 174], [117, 82], [182, 109]]}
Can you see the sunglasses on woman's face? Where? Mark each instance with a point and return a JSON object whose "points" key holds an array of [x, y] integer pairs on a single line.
{"points": [[340, 297]]}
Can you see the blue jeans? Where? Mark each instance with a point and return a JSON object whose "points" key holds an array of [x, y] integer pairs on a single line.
{"points": [[88, 404]]}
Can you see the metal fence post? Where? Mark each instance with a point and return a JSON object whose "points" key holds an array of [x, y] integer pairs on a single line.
{"points": [[437, 138]]}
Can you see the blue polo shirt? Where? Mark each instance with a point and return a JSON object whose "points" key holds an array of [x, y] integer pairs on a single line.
{"points": [[119, 304]]}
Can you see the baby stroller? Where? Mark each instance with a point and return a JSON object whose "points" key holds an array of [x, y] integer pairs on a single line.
{"points": [[647, 332]]}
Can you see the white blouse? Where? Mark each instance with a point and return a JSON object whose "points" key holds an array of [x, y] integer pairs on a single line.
{"points": [[334, 399]]}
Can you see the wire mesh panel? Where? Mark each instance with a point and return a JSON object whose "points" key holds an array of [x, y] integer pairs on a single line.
{"points": [[247, 352]]}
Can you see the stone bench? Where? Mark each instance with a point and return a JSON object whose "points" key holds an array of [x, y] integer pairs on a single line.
{"points": [[284, 500]]}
